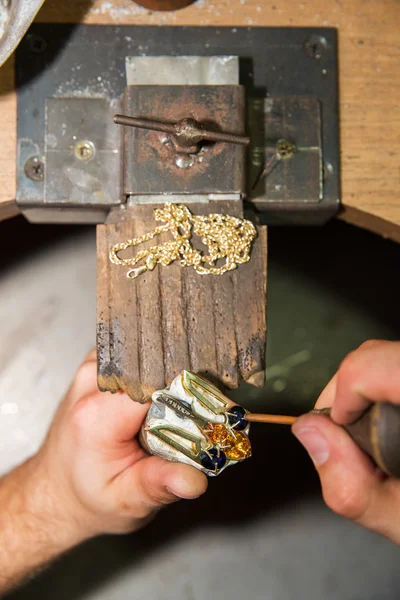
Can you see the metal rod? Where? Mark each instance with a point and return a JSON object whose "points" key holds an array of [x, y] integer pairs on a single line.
{"points": [[144, 124], [265, 418], [230, 138], [196, 130]]}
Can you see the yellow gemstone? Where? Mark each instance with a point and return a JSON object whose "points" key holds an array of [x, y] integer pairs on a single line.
{"points": [[219, 434], [240, 448], [236, 446]]}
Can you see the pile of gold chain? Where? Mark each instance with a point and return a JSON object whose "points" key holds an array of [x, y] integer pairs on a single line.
{"points": [[226, 238]]}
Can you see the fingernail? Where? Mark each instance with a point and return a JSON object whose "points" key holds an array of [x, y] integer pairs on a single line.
{"points": [[315, 444]]}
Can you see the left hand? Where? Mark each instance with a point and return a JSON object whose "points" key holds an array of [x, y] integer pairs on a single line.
{"points": [[96, 476]]}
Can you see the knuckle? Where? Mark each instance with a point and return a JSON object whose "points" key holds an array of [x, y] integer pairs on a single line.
{"points": [[352, 362], [92, 355], [84, 412], [368, 344], [86, 373], [349, 366], [346, 501], [141, 511], [159, 497], [133, 509]]}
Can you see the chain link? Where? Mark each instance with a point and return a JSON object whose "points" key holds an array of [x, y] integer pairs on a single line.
{"points": [[226, 237]]}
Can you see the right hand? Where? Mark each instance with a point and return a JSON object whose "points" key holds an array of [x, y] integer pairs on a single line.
{"points": [[352, 486]]}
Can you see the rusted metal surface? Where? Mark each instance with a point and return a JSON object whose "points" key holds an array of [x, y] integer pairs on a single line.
{"points": [[150, 158], [170, 319]]}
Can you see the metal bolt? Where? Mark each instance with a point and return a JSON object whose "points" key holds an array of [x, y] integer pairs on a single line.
{"points": [[315, 46], [37, 44], [84, 150], [34, 168], [285, 149]]}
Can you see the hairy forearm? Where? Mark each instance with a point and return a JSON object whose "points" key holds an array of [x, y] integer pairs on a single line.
{"points": [[33, 530]]}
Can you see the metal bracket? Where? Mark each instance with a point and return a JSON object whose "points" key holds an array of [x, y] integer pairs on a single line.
{"points": [[154, 167], [70, 154]]}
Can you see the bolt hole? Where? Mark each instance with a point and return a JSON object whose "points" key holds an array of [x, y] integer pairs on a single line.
{"points": [[37, 44]]}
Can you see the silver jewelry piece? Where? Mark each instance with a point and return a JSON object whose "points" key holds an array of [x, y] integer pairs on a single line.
{"points": [[192, 422]]}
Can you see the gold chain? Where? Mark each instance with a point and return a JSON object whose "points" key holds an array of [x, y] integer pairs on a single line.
{"points": [[226, 238]]}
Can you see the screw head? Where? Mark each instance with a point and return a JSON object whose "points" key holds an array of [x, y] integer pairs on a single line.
{"points": [[84, 150], [285, 149], [315, 46], [34, 168]]}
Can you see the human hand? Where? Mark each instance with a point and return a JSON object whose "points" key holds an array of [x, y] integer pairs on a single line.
{"points": [[352, 486], [99, 479]]}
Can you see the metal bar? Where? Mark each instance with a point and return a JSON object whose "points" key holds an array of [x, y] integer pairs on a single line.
{"points": [[145, 124], [187, 128]]}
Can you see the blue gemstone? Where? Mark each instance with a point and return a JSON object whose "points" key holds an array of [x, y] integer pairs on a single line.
{"points": [[212, 460], [237, 418]]}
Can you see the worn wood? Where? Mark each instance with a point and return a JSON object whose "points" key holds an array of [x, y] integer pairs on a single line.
{"points": [[149, 312], [169, 319], [112, 350], [250, 324], [369, 59]]}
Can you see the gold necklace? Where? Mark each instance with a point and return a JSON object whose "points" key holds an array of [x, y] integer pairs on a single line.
{"points": [[226, 237]]}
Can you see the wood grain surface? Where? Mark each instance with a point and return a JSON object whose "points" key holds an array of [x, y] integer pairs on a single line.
{"points": [[172, 318], [369, 53]]}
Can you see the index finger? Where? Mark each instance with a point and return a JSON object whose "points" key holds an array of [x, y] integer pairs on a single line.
{"points": [[327, 396], [110, 418], [369, 374]]}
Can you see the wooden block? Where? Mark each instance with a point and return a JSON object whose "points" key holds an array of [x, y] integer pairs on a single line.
{"points": [[170, 319], [148, 311], [117, 320], [226, 348], [251, 348], [174, 321]]}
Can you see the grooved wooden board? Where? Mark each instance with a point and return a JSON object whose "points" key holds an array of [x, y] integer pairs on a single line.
{"points": [[172, 318], [369, 58]]}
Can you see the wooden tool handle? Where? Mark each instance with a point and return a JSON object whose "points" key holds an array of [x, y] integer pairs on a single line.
{"points": [[377, 432]]}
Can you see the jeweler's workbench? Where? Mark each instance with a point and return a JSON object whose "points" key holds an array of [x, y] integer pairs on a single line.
{"points": [[369, 57]]}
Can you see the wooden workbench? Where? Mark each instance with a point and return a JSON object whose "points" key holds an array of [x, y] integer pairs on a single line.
{"points": [[369, 58]]}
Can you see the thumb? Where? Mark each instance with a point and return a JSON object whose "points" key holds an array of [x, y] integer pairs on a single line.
{"points": [[351, 485], [154, 482]]}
